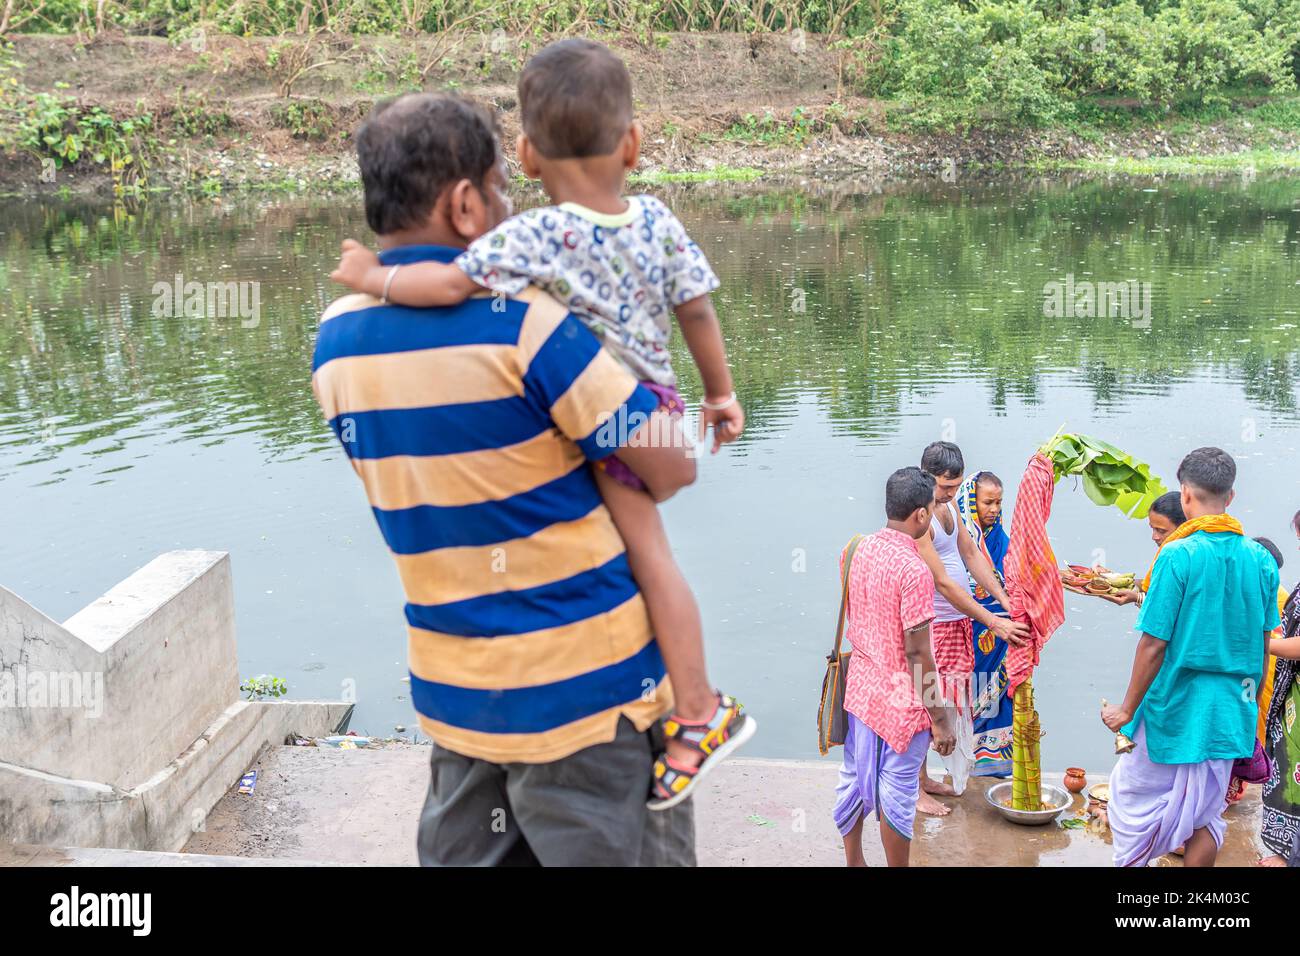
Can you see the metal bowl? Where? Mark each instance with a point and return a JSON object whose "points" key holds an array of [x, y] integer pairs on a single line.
{"points": [[1057, 798]]}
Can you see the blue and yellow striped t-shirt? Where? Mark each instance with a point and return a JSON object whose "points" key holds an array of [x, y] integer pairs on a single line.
{"points": [[471, 428]]}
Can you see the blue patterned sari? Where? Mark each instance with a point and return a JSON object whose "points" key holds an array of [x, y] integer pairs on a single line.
{"points": [[992, 708]]}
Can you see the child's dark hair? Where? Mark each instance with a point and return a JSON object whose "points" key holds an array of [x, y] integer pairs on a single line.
{"points": [[575, 100], [1274, 551]]}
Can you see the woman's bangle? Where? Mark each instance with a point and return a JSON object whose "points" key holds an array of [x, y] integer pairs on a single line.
{"points": [[388, 282], [718, 406]]}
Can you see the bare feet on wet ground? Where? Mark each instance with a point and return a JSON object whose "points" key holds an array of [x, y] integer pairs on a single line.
{"points": [[927, 804]]}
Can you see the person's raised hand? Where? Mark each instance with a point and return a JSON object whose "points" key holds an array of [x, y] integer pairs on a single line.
{"points": [[357, 268]]}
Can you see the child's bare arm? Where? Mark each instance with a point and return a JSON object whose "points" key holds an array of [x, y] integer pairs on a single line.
{"points": [[1288, 647], [418, 284], [699, 324]]}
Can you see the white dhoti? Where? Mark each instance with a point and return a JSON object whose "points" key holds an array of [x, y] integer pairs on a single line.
{"points": [[1155, 807]]}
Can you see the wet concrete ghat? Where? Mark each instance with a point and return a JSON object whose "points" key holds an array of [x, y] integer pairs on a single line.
{"points": [[329, 806]]}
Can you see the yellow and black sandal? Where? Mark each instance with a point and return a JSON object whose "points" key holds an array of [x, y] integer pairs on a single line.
{"points": [[716, 738]]}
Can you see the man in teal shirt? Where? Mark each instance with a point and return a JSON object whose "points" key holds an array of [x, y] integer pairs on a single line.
{"points": [[1190, 706]]}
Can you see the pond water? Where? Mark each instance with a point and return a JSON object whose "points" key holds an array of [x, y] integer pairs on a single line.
{"points": [[863, 323]]}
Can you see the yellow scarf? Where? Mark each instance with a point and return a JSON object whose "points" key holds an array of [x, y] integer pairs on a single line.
{"points": [[1212, 524]]}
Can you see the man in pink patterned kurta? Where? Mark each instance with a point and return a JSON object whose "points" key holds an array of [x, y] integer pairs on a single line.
{"points": [[889, 609]]}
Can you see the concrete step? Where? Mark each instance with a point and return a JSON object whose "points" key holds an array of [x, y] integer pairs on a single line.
{"points": [[320, 803], [363, 806], [24, 854], [350, 807]]}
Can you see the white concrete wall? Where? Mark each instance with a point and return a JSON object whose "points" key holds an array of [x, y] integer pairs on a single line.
{"points": [[146, 668], [123, 726], [163, 812]]}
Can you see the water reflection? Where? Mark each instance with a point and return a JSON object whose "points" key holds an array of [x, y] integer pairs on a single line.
{"points": [[863, 298], [861, 321]]}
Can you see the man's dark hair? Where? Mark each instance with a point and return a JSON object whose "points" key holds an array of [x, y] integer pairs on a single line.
{"points": [[906, 490], [575, 100], [1210, 471], [1170, 505], [413, 147], [988, 478], [1274, 551], [943, 460], [1295, 523]]}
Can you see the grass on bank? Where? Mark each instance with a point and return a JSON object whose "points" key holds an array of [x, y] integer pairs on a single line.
{"points": [[1257, 160], [718, 174]]}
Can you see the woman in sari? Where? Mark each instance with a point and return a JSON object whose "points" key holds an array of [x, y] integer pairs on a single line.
{"points": [[1282, 738], [979, 503], [1164, 517]]}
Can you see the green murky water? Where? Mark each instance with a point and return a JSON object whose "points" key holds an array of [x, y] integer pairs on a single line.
{"points": [[862, 324]]}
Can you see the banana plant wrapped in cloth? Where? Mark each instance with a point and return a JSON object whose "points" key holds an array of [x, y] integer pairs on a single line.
{"points": [[1038, 600], [1033, 584]]}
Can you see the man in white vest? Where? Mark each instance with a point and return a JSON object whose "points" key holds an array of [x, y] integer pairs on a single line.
{"points": [[954, 560]]}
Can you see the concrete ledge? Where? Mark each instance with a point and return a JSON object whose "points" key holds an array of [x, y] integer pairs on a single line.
{"points": [[22, 854], [123, 727], [129, 681], [320, 803], [361, 807], [164, 811]]}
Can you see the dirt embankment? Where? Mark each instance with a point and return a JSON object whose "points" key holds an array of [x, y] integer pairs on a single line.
{"points": [[230, 112]]}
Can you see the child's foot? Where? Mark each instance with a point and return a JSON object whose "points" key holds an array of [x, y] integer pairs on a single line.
{"points": [[1273, 860], [695, 747]]}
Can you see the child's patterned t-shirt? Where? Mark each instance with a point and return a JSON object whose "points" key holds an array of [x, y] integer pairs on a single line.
{"points": [[623, 274]]}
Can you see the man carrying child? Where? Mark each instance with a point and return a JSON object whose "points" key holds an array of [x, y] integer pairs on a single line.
{"points": [[625, 267], [529, 645]]}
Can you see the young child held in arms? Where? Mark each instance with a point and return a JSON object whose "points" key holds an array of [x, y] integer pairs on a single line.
{"points": [[624, 266]]}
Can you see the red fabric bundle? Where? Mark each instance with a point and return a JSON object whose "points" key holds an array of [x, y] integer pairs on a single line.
{"points": [[1032, 580]]}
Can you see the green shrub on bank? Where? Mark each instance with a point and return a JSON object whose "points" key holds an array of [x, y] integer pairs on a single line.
{"points": [[949, 62], [304, 119], [58, 131], [532, 17]]}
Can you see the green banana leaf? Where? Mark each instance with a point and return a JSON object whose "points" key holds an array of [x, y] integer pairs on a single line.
{"points": [[1110, 475]]}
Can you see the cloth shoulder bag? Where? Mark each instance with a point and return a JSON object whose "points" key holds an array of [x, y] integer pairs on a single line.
{"points": [[831, 719]]}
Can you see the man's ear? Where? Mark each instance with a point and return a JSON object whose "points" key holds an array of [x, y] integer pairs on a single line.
{"points": [[1231, 494], [632, 146], [466, 210], [1185, 496], [527, 154]]}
